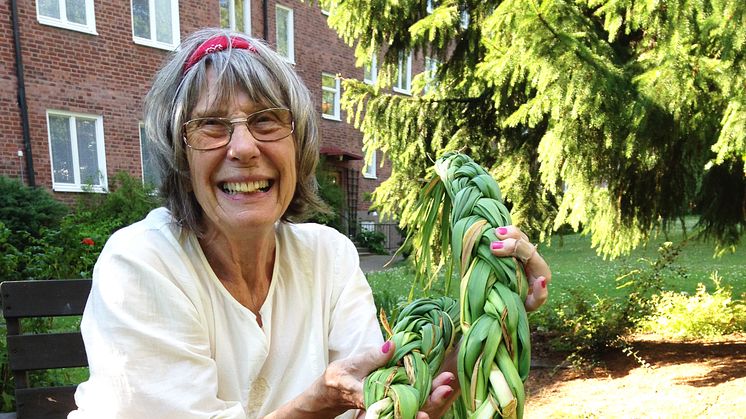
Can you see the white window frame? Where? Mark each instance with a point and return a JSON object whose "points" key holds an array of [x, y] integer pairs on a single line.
{"points": [[369, 171], [141, 129], [373, 65], [403, 83], [246, 16], [62, 22], [337, 116], [152, 41], [430, 6], [78, 186], [327, 11], [289, 36]]}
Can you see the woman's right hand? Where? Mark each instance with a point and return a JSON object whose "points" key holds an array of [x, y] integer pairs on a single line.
{"points": [[340, 387]]}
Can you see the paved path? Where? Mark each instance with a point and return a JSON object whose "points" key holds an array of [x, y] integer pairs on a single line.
{"points": [[372, 263]]}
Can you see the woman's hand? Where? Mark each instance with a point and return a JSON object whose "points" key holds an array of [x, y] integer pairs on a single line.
{"points": [[514, 243]]}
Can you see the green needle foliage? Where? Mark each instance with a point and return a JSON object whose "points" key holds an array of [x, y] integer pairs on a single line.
{"points": [[612, 116]]}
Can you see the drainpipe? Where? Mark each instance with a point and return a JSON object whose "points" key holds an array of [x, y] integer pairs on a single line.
{"points": [[265, 17], [22, 95]]}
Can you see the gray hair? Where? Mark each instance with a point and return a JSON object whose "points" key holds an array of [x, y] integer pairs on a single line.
{"points": [[267, 78]]}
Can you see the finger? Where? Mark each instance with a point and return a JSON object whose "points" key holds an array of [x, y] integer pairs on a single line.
{"points": [[444, 379], [537, 294], [440, 400], [510, 231], [534, 264], [363, 364]]}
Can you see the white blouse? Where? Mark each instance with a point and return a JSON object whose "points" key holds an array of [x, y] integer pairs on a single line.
{"points": [[165, 339]]}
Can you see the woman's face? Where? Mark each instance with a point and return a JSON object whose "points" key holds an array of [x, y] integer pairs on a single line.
{"points": [[247, 183]]}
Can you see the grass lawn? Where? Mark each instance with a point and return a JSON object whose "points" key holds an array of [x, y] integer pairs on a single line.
{"points": [[576, 266]]}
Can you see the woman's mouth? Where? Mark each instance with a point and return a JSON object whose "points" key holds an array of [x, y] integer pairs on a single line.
{"points": [[233, 188]]}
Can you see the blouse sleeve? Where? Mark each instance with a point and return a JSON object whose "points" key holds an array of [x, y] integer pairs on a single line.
{"points": [[354, 326], [148, 350]]}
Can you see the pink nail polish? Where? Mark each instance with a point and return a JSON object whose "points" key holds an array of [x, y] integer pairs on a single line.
{"points": [[386, 347], [497, 245], [447, 393], [502, 231]]}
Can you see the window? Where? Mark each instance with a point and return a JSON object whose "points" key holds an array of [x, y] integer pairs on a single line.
{"points": [[369, 172], [284, 32], [330, 96], [431, 69], [370, 71], [403, 82], [155, 23], [327, 6], [236, 15], [69, 14], [150, 173], [76, 146]]}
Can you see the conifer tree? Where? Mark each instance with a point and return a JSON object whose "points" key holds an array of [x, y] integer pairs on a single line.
{"points": [[615, 117]]}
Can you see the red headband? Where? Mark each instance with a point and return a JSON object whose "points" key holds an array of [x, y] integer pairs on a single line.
{"points": [[216, 44]]}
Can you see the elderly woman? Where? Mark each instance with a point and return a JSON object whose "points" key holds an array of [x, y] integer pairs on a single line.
{"points": [[221, 305]]}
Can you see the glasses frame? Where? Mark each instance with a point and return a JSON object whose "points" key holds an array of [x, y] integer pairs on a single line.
{"points": [[231, 124]]}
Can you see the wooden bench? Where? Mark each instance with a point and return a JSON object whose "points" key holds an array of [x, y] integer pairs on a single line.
{"points": [[29, 352]]}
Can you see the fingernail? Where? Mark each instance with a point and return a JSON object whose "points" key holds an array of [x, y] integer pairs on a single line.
{"points": [[497, 245], [544, 283], [502, 230], [386, 347], [447, 393]]}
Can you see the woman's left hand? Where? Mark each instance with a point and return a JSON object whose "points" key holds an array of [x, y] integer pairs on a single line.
{"points": [[513, 242]]}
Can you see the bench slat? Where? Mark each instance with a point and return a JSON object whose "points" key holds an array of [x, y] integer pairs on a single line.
{"points": [[45, 403], [43, 351], [57, 297]]}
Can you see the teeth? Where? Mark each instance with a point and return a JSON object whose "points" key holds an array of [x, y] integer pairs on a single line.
{"points": [[244, 187]]}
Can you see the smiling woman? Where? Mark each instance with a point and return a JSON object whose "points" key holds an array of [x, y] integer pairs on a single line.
{"points": [[223, 304]]}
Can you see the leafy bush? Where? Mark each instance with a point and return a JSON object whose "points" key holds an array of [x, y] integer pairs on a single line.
{"points": [[27, 209], [702, 315], [333, 195], [373, 241], [588, 325]]}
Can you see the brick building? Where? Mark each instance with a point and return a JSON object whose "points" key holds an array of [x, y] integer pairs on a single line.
{"points": [[82, 68]]}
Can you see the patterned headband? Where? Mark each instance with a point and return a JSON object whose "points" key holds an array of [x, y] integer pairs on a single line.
{"points": [[216, 44]]}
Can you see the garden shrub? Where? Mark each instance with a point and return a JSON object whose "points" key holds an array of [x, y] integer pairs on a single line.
{"points": [[588, 325], [678, 315], [27, 209], [373, 241], [333, 195]]}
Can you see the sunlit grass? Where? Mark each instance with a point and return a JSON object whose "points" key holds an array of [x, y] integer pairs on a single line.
{"points": [[576, 266]]}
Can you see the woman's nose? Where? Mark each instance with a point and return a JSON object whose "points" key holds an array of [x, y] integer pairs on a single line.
{"points": [[243, 145]]}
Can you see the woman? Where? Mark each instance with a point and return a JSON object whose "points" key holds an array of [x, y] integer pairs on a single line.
{"points": [[218, 305]]}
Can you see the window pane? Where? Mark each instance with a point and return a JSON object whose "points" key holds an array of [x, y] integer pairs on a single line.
{"points": [[150, 173], [163, 22], [282, 32], [49, 8], [62, 154], [329, 81], [225, 14], [327, 103], [75, 10], [87, 151], [141, 18], [239, 15]]}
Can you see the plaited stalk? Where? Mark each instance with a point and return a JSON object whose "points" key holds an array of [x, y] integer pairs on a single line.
{"points": [[458, 212], [423, 332]]}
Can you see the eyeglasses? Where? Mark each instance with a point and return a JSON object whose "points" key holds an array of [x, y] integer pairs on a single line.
{"points": [[209, 133]]}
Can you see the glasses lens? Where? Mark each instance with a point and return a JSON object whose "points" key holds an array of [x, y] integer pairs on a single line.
{"points": [[207, 133], [271, 124]]}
